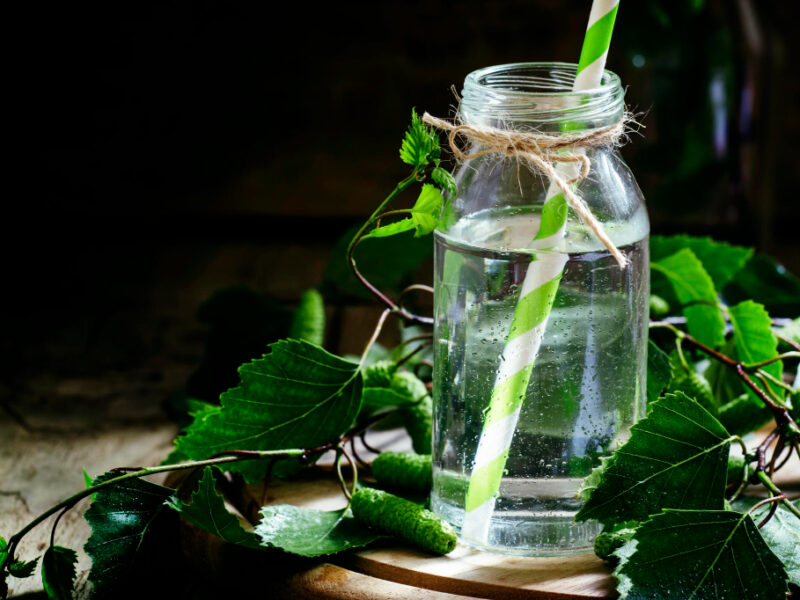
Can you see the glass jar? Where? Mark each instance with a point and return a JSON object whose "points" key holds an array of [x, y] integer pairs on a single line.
{"points": [[580, 378]]}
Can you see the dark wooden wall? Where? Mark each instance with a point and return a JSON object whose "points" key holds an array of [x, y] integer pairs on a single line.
{"points": [[164, 150]]}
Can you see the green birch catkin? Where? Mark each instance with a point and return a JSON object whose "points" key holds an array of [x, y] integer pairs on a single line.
{"points": [[606, 544], [418, 421], [696, 386], [308, 322], [403, 519], [403, 470]]}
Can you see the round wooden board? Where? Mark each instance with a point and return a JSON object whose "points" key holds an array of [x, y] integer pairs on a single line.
{"points": [[465, 573], [390, 570]]}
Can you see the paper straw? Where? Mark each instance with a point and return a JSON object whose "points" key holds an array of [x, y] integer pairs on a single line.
{"points": [[533, 308]]}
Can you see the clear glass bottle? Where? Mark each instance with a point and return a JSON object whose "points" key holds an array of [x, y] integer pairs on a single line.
{"points": [[587, 384]]}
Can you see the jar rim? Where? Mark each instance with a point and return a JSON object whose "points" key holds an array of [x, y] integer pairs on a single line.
{"points": [[539, 92], [559, 84]]}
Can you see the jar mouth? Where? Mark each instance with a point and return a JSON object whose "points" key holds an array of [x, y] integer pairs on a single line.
{"points": [[539, 93]]}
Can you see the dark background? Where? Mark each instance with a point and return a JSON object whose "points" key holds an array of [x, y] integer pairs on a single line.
{"points": [[161, 152]]}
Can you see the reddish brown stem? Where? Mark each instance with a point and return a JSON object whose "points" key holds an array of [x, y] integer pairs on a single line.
{"points": [[779, 413], [791, 343], [775, 454], [267, 478], [357, 430], [391, 305], [761, 451], [363, 437], [774, 501], [358, 458], [415, 351]]}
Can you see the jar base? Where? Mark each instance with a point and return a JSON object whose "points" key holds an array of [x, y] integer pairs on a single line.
{"points": [[526, 534]]}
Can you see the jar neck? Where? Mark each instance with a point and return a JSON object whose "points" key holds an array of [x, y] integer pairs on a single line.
{"points": [[539, 96]]}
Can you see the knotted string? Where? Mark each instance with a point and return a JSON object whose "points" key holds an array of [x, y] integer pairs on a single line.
{"points": [[541, 151]]}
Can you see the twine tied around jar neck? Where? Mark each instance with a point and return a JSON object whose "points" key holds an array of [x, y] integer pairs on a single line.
{"points": [[541, 151]]}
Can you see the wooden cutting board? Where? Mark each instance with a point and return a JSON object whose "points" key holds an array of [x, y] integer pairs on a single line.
{"points": [[392, 570]]}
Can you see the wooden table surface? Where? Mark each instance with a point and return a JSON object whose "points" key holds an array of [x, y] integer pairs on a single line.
{"points": [[54, 429], [97, 424]]}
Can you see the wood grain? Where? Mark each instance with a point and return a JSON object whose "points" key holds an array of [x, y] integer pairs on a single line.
{"points": [[68, 426], [463, 573]]}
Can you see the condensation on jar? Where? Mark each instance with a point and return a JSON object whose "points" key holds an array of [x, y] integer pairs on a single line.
{"points": [[583, 387]]}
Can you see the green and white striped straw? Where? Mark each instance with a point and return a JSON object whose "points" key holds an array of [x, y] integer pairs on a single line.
{"points": [[533, 308]]}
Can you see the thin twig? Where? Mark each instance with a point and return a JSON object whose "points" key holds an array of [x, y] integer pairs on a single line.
{"points": [[55, 524], [788, 341], [769, 361], [775, 454], [353, 468], [770, 485], [779, 412], [416, 287], [745, 472], [358, 458], [359, 236], [411, 354], [377, 331], [761, 373], [225, 457], [789, 448], [338, 464], [761, 451], [416, 338], [681, 357], [267, 479], [363, 438], [774, 501], [768, 389]]}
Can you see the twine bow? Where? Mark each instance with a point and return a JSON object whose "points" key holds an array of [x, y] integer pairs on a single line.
{"points": [[541, 151]]}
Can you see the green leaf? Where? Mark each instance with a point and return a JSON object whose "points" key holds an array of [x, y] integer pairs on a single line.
{"points": [[3, 555], [308, 321], [121, 517], [720, 260], [241, 323], [755, 342], [391, 229], [311, 532], [695, 291], [379, 374], [390, 264], [744, 414], [403, 389], [207, 511], [58, 572], [297, 396], [22, 568], [424, 216], [445, 181], [767, 282], [781, 533], [426, 210], [790, 331], [695, 386], [677, 457], [699, 555], [420, 141], [659, 371]]}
